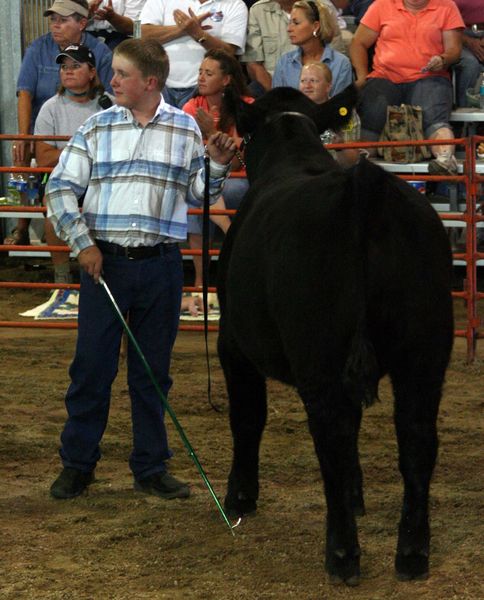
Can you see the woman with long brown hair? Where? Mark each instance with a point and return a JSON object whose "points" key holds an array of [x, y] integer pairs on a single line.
{"points": [[218, 72]]}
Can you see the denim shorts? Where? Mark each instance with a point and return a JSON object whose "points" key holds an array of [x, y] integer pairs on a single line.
{"points": [[432, 94], [178, 96], [233, 192]]}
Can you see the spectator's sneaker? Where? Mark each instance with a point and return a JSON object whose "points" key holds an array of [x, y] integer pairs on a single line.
{"points": [[70, 483], [443, 166], [163, 485], [472, 97]]}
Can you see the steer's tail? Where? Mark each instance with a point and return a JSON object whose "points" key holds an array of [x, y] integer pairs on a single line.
{"points": [[362, 372]]}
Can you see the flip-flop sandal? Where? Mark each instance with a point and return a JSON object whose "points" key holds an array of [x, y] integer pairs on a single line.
{"points": [[17, 238]]}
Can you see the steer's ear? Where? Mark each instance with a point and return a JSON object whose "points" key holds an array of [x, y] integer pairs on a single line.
{"points": [[334, 113]]}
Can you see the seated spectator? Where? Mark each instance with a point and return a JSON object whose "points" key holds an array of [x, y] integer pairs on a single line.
{"points": [[335, 10], [416, 42], [268, 40], [471, 64], [80, 95], [218, 71], [346, 33], [315, 83], [112, 20], [311, 28], [39, 77], [187, 30], [357, 8]]}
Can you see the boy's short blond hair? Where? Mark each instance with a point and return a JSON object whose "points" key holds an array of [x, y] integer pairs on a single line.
{"points": [[147, 55]]}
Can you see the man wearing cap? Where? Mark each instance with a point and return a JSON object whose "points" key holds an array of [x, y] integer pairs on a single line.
{"points": [[39, 73], [136, 162], [187, 29], [39, 78]]}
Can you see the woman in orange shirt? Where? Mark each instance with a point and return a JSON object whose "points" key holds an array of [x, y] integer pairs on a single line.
{"points": [[415, 43], [218, 71]]}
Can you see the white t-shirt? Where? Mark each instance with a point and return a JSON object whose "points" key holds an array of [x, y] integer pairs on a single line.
{"points": [[228, 22]]}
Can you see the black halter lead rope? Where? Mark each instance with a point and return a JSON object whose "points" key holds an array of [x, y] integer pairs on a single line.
{"points": [[206, 270]]}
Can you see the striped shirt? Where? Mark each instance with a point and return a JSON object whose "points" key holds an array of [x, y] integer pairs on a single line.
{"points": [[136, 179]]}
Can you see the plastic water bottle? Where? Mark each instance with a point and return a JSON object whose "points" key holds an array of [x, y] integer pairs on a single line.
{"points": [[137, 27], [33, 185], [21, 186], [481, 92], [13, 193], [32, 190]]}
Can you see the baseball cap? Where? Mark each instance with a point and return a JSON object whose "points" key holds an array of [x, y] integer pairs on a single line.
{"points": [[66, 8], [77, 52]]}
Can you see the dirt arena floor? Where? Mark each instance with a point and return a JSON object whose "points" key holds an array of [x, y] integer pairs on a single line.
{"points": [[114, 543]]}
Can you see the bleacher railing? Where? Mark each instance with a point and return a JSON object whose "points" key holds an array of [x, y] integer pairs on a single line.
{"points": [[471, 330]]}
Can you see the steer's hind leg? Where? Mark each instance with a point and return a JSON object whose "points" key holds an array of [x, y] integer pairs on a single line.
{"points": [[416, 407], [334, 422], [248, 411]]}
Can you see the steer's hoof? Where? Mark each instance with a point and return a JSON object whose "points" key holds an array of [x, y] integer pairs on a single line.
{"points": [[352, 581], [343, 568], [239, 506], [412, 566]]}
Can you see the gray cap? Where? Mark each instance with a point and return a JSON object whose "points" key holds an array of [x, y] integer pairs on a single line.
{"points": [[66, 8]]}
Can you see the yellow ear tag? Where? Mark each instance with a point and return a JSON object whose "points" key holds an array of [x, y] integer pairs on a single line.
{"points": [[343, 111]]}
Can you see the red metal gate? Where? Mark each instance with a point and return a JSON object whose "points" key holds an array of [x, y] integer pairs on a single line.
{"points": [[470, 178]]}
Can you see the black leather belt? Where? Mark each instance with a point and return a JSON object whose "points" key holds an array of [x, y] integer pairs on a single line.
{"points": [[133, 252]]}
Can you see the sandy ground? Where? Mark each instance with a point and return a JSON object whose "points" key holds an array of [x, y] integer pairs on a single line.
{"points": [[114, 543]]}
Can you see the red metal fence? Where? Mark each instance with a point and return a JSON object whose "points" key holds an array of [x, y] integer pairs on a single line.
{"points": [[471, 216]]}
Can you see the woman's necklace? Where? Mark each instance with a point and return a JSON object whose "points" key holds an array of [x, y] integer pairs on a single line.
{"points": [[76, 94]]}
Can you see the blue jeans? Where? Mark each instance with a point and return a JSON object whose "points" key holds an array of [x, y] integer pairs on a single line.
{"points": [[467, 71], [150, 290], [234, 190], [178, 96], [110, 38], [432, 94]]}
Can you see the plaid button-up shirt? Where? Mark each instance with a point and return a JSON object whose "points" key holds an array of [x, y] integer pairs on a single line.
{"points": [[136, 179]]}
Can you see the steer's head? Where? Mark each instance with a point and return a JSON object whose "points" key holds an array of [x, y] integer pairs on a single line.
{"points": [[285, 115]]}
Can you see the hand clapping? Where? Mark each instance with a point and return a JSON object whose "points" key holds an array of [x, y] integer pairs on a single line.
{"points": [[191, 24]]}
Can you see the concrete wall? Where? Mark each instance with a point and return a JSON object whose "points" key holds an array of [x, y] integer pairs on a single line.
{"points": [[21, 22], [10, 59]]}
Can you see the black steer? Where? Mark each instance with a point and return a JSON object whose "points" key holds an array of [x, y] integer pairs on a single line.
{"points": [[329, 280]]}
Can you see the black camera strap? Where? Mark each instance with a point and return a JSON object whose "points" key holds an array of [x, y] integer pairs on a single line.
{"points": [[206, 269]]}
